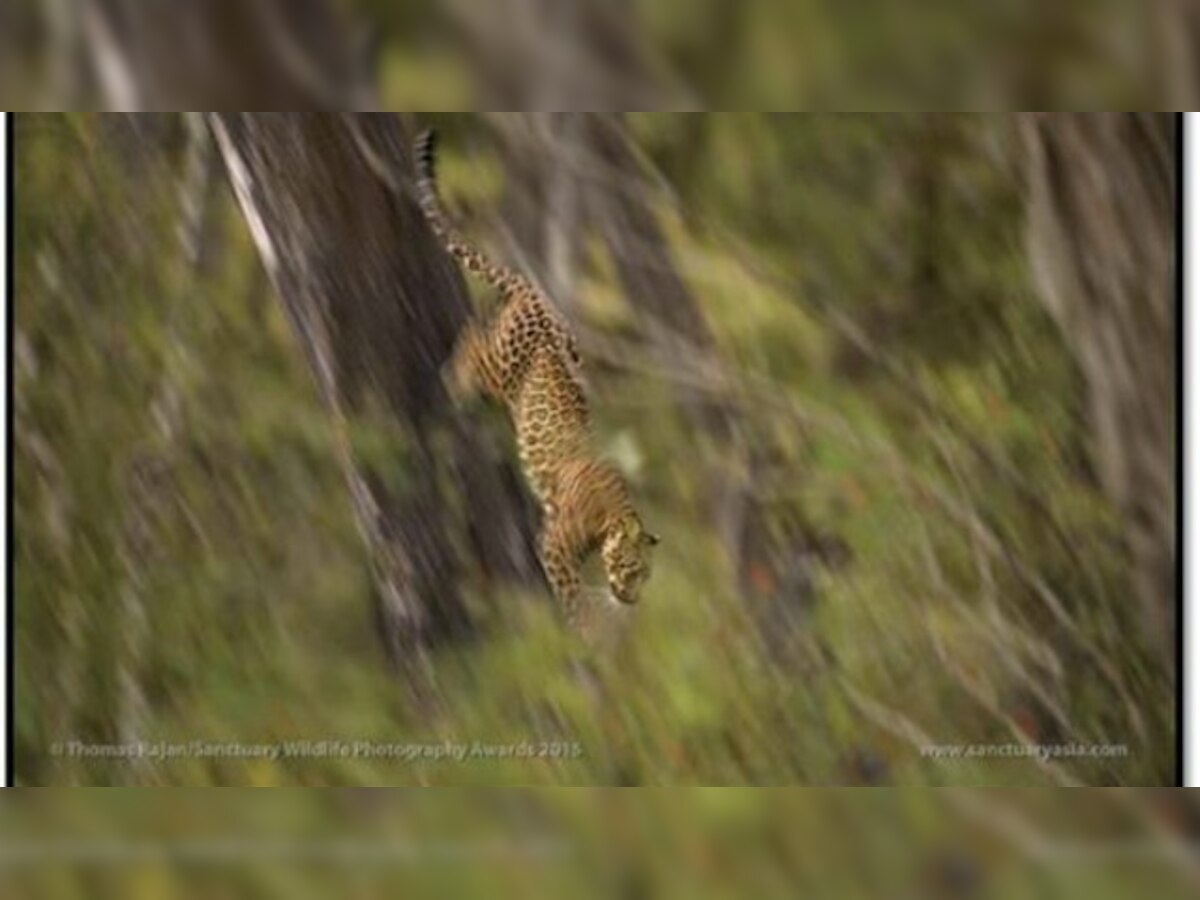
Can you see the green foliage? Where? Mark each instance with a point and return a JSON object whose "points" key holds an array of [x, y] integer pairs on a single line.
{"points": [[984, 588]]}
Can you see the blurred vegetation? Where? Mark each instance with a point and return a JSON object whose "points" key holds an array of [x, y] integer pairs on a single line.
{"points": [[877, 336], [603, 843], [813, 54]]}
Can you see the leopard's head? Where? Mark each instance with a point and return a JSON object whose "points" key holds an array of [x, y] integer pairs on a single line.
{"points": [[627, 551]]}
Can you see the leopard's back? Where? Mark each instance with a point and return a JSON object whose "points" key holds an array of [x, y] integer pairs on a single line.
{"points": [[550, 414], [526, 329]]}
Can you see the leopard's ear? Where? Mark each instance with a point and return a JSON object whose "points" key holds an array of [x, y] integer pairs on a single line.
{"points": [[652, 539]]}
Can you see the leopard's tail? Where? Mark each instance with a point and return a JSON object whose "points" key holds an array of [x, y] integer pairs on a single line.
{"points": [[472, 258]]}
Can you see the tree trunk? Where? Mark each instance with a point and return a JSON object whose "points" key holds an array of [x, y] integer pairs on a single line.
{"points": [[542, 197], [154, 54], [562, 54], [377, 306], [374, 301], [1102, 242], [623, 216], [1179, 41]]}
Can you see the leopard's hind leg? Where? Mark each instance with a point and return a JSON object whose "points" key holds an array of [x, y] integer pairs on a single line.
{"points": [[470, 373]]}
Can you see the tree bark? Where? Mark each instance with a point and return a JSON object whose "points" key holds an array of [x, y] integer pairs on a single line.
{"points": [[1101, 219], [377, 305], [626, 221], [155, 54], [374, 301], [562, 54], [542, 198]]}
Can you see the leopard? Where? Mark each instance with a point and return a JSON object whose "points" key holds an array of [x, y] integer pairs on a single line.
{"points": [[525, 357]]}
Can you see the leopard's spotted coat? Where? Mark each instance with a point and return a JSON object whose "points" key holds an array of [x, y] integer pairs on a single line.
{"points": [[527, 359]]}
